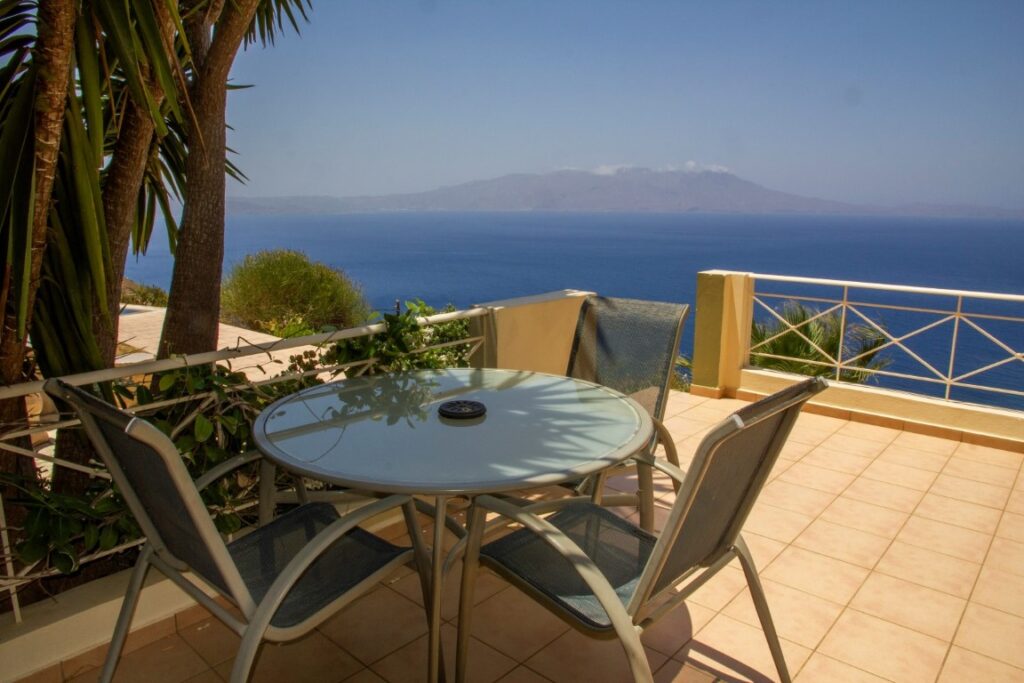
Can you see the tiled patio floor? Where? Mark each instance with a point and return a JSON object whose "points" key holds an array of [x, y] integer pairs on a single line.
{"points": [[886, 555]]}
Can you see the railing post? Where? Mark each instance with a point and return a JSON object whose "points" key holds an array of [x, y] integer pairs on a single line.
{"points": [[724, 314]]}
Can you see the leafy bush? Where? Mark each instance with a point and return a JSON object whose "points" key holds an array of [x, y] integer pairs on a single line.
{"points": [[143, 295], [399, 347], [282, 292]]}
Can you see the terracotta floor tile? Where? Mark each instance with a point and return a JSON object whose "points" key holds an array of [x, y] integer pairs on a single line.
{"points": [[795, 498], [683, 425], [487, 584], [522, 674], [673, 671], [809, 435], [736, 651], [576, 657], [857, 514], [798, 616], [208, 676], [214, 641], [883, 648], [51, 674], [822, 669], [675, 629], [498, 622], [977, 471], [763, 549], [821, 422], [817, 574], [929, 568], [912, 457], [312, 658], [794, 450], [409, 663], [887, 495], [925, 610], [1006, 555], [970, 491], [989, 456], [992, 633], [945, 538], [839, 461], [963, 665], [850, 545], [901, 475], [719, 590], [1000, 590], [1015, 504], [842, 442], [869, 432], [1012, 527], [776, 523], [933, 444], [814, 477], [168, 660], [362, 631], [958, 513]]}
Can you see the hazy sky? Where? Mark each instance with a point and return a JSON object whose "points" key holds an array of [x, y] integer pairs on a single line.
{"points": [[881, 102]]}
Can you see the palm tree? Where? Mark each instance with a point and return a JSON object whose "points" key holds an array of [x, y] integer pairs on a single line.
{"points": [[805, 341]]}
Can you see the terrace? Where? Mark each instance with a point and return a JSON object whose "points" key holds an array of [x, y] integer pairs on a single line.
{"points": [[890, 540]]}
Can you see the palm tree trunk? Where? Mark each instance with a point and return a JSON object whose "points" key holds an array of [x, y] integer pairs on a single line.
{"points": [[56, 21], [193, 307]]}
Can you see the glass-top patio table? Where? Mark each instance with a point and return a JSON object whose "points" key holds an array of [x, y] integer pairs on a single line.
{"points": [[384, 433]]}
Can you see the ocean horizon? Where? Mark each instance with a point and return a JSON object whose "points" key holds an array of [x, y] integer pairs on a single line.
{"points": [[471, 258]]}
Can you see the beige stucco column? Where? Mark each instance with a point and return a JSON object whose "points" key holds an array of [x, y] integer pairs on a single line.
{"points": [[724, 311]]}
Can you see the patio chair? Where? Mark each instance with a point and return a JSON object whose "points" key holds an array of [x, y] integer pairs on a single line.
{"points": [[630, 346], [608, 578], [285, 578]]}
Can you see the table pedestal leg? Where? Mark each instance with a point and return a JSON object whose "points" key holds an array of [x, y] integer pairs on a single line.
{"points": [[436, 580], [475, 522]]}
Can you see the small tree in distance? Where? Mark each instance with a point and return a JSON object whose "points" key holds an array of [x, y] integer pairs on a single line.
{"points": [[282, 292]]}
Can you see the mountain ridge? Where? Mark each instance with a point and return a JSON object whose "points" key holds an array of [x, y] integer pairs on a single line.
{"points": [[625, 190]]}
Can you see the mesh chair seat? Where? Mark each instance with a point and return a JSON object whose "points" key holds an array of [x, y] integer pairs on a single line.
{"points": [[617, 547], [262, 555]]}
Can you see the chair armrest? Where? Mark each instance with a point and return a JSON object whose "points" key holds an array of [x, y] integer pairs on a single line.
{"points": [[678, 475], [222, 469]]}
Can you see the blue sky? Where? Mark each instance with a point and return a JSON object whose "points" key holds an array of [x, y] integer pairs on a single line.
{"points": [[863, 101]]}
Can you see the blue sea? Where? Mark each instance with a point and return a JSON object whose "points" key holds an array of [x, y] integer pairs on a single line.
{"points": [[468, 258]]}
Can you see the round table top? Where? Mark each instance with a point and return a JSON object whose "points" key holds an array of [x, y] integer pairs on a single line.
{"points": [[383, 432]]}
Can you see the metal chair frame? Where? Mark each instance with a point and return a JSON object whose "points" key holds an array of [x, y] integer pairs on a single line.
{"points": [[656, 592], [255, 625], [643, 499]]}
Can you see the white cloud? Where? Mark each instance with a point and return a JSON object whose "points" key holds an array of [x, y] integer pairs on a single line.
{"points": [[611, 169]]}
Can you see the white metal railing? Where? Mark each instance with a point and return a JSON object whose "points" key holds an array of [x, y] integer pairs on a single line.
{"points": [[960, 367], [12, 577]]}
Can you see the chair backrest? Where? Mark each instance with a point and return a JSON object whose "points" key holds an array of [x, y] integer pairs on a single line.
{"points": [[725, 477], [154, 481], [630, 346]]}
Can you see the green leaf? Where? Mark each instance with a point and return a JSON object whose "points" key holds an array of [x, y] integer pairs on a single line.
{"points": [[167, 381], [31, 551], [64, 560], [108, 538], [203, 429], [90, 537]]}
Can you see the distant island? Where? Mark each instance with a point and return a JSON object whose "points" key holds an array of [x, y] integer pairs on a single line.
{"points": [[625, 190]]}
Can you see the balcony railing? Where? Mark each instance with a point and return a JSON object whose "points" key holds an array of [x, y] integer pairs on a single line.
{"points": [[252, 359], [948, 343]]}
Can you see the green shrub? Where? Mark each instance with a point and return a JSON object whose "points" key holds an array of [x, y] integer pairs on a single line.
{"points": [[143, 295], [283, 293]]}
